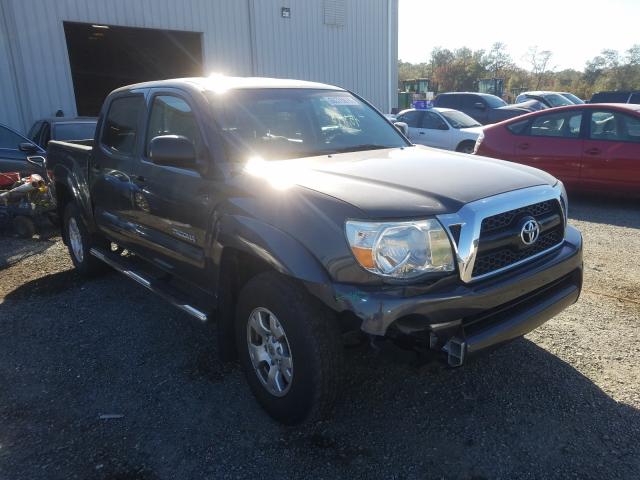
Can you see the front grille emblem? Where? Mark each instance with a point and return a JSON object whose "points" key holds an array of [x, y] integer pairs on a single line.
{"points": [[530, 231]]}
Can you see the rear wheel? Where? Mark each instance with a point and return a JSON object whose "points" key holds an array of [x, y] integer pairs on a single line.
{"points": [[80, 241], [466, 147], [290, 349]]}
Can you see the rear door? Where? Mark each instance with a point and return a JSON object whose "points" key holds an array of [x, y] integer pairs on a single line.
{"points": [[433, 131], [175, 204], [552, 142], [114, 167], [611, 152], [413, 119]]}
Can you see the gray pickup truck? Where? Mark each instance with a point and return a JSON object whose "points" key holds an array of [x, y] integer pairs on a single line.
{"points": [[293, 212]]}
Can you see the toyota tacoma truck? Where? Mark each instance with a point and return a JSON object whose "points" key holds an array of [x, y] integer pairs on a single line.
{"points": [[293, 213]]}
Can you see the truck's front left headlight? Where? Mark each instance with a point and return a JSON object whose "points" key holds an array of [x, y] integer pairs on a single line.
{"points": [[400, 249]]}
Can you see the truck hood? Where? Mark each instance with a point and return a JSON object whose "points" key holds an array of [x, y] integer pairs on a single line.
{"points": [[401, 182]]}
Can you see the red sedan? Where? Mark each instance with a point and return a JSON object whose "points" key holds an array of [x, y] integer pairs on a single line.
{"points": [[592, 147]]}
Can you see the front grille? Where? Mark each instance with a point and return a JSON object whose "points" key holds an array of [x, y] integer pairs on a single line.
{"points": [[504, 228], [504, 220]]}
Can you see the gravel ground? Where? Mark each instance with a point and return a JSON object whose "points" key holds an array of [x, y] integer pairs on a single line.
{"points": [[561, 403]]}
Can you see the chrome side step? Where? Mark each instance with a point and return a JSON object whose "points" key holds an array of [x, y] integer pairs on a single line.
{"points": [[155, 287]]}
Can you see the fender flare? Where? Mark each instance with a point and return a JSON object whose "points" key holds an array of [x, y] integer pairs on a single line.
{"points": [[70, 180], [273, 246]]}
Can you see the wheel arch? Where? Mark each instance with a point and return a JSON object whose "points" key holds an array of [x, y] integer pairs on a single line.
{"points": [[246, 247]]}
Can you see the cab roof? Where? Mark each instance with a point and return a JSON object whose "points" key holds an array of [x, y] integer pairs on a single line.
{"points": [[217, 83]]}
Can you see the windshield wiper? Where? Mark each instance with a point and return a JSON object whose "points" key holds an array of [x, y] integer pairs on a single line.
{"points": [[359, 148]]}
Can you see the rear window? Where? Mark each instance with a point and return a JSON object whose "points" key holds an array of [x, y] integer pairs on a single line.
{"points": [[121, 125], [73, 131]]}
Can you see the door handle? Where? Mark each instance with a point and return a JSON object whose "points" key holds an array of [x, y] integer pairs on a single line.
{"points": [[593, 151], [523, 146]]}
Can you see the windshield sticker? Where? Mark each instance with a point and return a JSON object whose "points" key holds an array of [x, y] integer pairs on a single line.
{"points": [[341, 100]]}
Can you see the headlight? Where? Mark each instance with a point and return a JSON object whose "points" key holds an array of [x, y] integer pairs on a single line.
{"points": [[400, 249], [565, 203], [479, 140]]}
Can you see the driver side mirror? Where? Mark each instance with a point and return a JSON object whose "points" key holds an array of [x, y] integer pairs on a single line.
{"points": [[402, 127], [172, 151], [480, 106], [28, 147]]}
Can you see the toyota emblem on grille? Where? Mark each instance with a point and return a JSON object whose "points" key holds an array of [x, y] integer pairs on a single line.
{"points": [[530, 232]]}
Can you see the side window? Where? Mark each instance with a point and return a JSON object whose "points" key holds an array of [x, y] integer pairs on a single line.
{"points": [[433, 122], [412, 118], [518, 128], [614, 126], [468, 102], [562, 125], [34, 132], [635, 98], [9, 140], [172, 115], [121, 124], [449, 101]]}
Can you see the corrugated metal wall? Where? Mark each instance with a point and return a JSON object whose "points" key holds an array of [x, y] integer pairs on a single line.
{"points": [[354, 56], [240, 37]]}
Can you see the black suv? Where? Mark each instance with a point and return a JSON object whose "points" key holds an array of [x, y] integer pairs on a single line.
{"points": [[482, 107], [617, 96], [293, 212]]}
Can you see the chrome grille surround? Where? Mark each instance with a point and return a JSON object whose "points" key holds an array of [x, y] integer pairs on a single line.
{"points": [[469, 219]]}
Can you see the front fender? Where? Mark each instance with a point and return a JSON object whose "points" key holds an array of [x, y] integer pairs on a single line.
{"points": [[275, 247]]}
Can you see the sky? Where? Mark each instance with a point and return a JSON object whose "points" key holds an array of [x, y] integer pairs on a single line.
{"points": [[575, 31]]}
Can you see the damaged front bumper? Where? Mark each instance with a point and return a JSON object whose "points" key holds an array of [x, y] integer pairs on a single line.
{"points": [[462, 318]]}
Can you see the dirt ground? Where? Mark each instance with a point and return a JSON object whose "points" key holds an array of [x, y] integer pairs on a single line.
{"points": [[561, 403]]}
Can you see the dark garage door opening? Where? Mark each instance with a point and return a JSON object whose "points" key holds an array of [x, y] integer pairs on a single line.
{"points": [[105, 57]]}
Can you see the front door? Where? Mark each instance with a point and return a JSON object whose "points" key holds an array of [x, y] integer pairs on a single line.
{"points": [[611, 152], [553, 143], [176, 204], [12, 159]]}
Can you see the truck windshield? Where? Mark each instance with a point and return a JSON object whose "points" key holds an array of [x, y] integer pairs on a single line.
{"points": [[284, 123]]}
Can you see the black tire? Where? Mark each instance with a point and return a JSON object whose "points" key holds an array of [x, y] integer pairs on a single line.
{"points": [[23, 226], [466, 147], [86, 264], [315, 347]]}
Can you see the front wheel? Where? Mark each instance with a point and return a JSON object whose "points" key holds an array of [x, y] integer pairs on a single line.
{"points": [[290, 349], [466, 147], [79, 242]]}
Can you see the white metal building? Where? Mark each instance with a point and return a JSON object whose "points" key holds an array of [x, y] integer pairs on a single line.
{"points": [[64, 54]]}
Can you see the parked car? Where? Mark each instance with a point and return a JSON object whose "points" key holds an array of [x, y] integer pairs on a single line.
{"points": [[441, 128], [292, 212], [14, 150], [617, 96], [482, 107], [549, 99], [62, 128], [589, 147]]}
